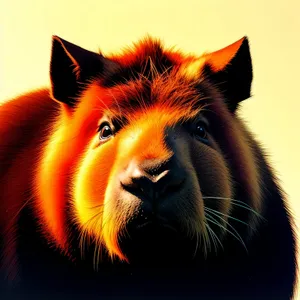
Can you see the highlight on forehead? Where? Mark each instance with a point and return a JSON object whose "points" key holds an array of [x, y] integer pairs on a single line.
{"points": [[192, 70]]}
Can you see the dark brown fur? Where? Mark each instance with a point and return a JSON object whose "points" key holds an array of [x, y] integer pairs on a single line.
{"points": [[54, 172]]}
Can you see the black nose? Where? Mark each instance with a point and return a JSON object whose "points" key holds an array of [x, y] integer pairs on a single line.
{"points": [[152, 180]]}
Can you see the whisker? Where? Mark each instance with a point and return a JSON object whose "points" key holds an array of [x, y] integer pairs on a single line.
{"points": [[224, 198], [211, 211], [214, 221], [228, 216], [198, 236], [237, 203], [250, 209], [214, 237], [210, 235], [206, 242]]}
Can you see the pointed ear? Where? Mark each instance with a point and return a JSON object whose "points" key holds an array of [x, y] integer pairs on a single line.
{"points": [[71, 67], [231, 70]]}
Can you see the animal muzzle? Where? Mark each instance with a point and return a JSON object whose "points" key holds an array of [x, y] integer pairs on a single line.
{"points": [[153, 181]]}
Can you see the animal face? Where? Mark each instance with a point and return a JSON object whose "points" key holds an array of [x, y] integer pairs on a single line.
{"points": [[147, 154]]}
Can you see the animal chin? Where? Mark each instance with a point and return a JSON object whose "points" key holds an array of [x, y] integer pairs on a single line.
{"points": [[155, 241]]}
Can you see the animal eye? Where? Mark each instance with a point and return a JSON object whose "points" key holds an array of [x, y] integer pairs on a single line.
{"points": [[105, 132], [200, 131]]}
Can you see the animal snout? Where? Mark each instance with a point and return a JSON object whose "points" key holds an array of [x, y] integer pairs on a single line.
{"points": [[152, 180]]}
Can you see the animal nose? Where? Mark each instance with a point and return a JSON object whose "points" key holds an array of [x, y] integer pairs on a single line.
{"points": [[151, 179]]}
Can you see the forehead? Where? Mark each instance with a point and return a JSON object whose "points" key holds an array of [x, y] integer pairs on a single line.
{"points": [[150, 76], [167, 92]]}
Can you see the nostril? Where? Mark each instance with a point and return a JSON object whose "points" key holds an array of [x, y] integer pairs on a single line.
{"points": [[172, 187], [141, 186], [130, 186], [155, 187]]}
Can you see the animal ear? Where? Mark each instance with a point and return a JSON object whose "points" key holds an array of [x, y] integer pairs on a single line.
{"points": [[231, 70], [70, 69]]}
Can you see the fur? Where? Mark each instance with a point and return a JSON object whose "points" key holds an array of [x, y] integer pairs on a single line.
{"points": [[154, 209]]}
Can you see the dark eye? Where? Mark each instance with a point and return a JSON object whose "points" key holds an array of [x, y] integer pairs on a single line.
{"points": [[105, 132], [200, 131]]}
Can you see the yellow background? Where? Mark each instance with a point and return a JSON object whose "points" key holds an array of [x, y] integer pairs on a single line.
{"points": [[272, 26]]}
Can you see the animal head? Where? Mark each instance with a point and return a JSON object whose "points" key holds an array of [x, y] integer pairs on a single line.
{"points": [[147, 154]]}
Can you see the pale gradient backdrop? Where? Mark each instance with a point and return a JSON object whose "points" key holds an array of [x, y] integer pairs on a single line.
{"points": [[272, 26]]}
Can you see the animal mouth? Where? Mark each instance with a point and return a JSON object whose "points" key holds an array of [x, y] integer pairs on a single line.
{"points": [[155, 224], [155, 241]]}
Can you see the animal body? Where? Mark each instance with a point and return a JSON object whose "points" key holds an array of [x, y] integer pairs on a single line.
{"points": [[133, 176]]}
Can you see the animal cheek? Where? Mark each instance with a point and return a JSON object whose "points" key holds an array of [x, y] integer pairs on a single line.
{"points": [[90, 183], [213, 177]]}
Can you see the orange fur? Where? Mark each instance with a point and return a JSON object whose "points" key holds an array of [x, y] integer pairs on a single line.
{"points": [[54, 162], [72, 141]]}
